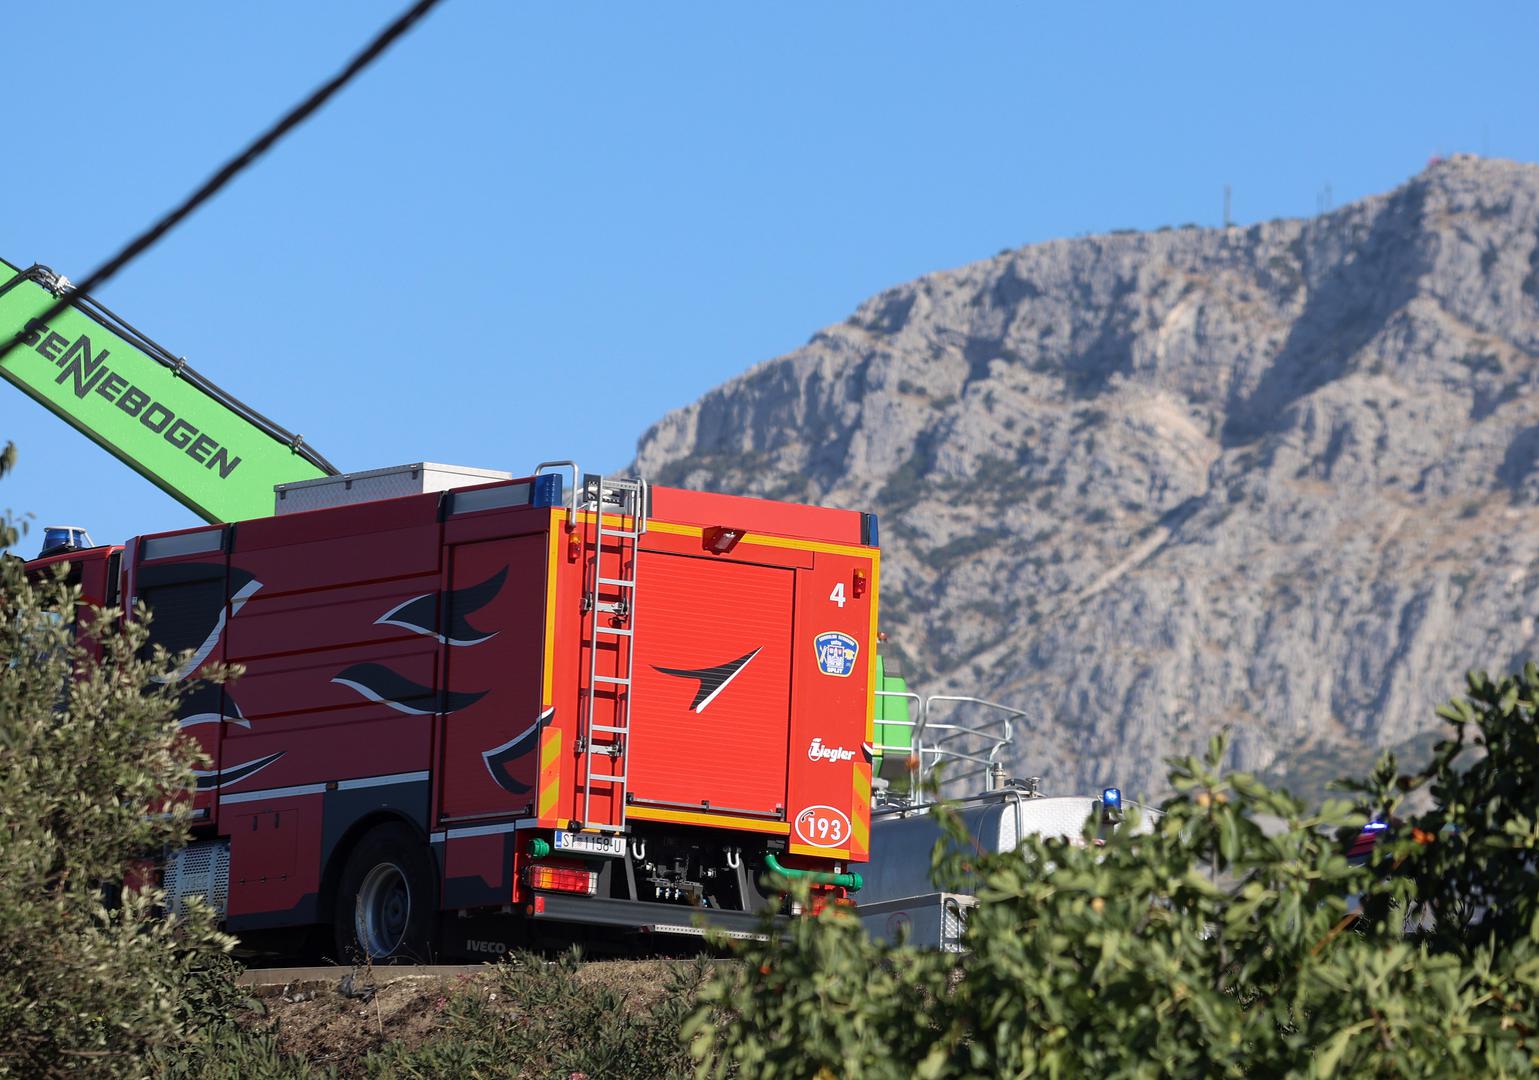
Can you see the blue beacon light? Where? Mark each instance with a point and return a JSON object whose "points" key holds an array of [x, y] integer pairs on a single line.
{"points": [[1111, 799], [66, 537]]}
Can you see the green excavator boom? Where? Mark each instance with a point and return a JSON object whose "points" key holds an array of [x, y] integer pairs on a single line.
{"points": [[212, 453]]}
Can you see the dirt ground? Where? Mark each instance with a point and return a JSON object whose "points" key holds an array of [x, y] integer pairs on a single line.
{"points": [[316, 1020]]}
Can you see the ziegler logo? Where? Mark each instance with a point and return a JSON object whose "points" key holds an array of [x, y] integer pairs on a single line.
{"points": [[818, 752]]}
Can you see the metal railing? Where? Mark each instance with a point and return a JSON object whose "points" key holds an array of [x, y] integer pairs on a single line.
{"points": [[972, 749]]}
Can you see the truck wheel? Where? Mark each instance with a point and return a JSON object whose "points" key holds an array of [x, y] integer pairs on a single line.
{"points": [[385, 898]]}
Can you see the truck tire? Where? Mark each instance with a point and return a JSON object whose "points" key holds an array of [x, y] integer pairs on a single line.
{"points": [[386, 900]]}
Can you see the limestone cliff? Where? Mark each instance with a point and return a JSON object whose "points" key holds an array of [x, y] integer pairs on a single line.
{"points": [[1281, 479]]}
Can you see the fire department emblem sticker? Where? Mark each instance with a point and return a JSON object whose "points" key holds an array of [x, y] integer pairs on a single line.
{"points": [[836, 653]]}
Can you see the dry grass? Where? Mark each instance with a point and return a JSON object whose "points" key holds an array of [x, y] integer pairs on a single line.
{"points": [[317, 1023]]}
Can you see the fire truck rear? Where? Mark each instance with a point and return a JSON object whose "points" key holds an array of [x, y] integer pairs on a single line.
{"points": [[539, 700]]}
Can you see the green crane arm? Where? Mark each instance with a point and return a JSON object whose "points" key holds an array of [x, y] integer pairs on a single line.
{"points": [[209, 451]]}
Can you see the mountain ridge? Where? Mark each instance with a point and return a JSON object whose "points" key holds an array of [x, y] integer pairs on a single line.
{"points": [[1281, 479]]}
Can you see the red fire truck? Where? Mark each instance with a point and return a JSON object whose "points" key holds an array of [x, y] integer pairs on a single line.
{"points": [[555, 699]]}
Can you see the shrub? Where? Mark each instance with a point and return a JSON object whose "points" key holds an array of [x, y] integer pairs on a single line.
{"points": [[539, 1019], [91, 978], [1235, 940]]}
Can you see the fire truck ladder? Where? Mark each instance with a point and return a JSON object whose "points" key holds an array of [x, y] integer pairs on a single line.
{"points": [[624, 501]]}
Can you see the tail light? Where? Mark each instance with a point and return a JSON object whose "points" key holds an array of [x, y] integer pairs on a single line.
{"points": [[563, 879], [829, 896]]}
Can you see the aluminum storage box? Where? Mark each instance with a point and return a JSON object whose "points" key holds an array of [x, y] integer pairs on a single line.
{"points": [[372, 484], [934, 920]]}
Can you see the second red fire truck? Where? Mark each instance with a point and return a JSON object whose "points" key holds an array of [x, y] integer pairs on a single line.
{"points": [[556, 698]]}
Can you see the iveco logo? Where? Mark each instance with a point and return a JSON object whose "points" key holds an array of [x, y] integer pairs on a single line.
{"points": [[713, 680]]}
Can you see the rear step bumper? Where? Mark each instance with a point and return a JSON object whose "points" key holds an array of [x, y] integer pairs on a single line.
{"points": [[648, 917]]}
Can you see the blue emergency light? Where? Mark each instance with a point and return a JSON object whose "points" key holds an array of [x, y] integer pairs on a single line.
{"points": [[66, 537], [1111, 799]]}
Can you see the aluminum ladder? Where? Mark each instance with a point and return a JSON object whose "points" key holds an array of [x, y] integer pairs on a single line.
{"points": [[612, 623]]}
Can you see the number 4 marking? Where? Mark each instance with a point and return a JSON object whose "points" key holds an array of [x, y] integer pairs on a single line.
{"points": [[837, 596]]}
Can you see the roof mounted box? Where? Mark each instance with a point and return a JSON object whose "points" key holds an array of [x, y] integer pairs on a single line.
{"points": [[372, 484]]}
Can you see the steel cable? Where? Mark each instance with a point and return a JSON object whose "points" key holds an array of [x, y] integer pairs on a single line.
{"points": [[235, 166]]}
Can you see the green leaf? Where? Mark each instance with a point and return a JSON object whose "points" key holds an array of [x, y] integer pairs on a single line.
{"points": [[1451, 713]]}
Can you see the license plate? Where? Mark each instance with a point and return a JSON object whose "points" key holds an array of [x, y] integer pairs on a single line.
{"points": [[590, 843]]}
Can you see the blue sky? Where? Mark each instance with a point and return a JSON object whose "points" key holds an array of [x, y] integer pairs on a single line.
{"points": [[533, 229]]}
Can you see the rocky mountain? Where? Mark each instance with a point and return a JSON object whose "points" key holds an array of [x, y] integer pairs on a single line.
{"points": [[1281, 479]]}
